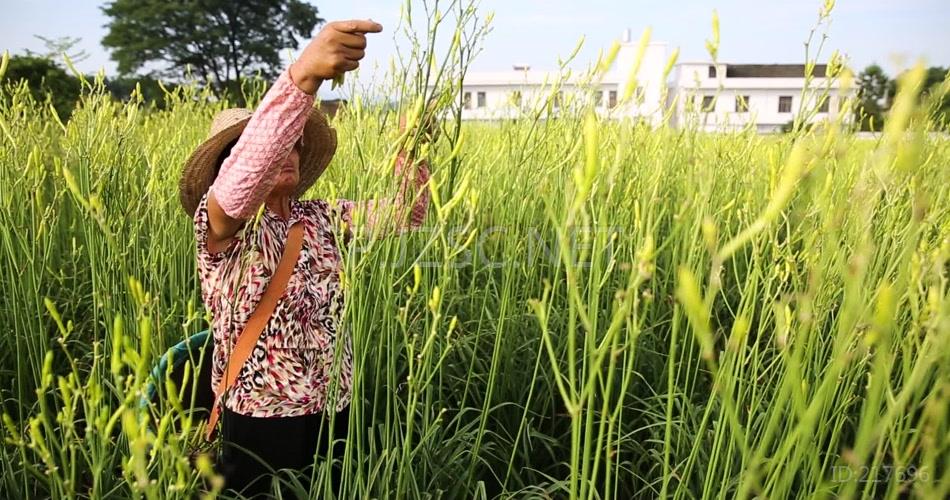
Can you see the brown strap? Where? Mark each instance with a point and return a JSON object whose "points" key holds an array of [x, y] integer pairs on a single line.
{"points": [[258, 320]]}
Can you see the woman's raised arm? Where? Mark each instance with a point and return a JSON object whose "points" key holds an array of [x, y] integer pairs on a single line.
{"points": [[248, 174]]}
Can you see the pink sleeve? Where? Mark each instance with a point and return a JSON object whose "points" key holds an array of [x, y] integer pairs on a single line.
{"points": [[379, 212], [250, 171]]}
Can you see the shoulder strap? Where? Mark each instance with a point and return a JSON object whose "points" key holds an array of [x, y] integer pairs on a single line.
{"points": [[258, 320]]}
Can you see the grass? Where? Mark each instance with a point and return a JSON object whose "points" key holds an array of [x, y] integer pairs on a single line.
{"points": [[593, 309]]}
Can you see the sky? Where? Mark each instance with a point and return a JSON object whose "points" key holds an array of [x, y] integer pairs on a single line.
{"points": [[892, 33]]}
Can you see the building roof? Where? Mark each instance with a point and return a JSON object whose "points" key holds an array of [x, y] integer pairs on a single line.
{"points": [[772, 70], [529, 78]]}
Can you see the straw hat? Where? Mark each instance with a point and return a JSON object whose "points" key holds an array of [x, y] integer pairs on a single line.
{"points": [[319, 144]]}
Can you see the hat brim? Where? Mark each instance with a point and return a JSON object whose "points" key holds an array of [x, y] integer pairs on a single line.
{"points": [[319, 146]]}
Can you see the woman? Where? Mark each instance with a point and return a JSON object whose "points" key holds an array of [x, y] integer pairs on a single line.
{"points": [[270, 158]]}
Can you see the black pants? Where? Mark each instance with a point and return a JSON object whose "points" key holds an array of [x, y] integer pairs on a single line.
{"points": [[278, 442]]}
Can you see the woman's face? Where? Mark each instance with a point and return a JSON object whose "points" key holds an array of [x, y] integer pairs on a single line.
{"points": [[289, 174]]}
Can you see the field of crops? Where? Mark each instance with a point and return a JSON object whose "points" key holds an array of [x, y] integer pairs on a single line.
{"points": [[593, 309]]}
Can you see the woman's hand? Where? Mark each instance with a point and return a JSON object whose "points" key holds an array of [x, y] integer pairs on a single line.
{"points": [[337, 49]]}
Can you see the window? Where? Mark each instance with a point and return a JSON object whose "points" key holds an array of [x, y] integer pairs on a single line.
{"points": [[824, 105], [709, 103], [467, 100], [712, 71], [481, 99], [612, 99], [785, 104], [742, 104], [556, 100], [516, 98], [599, 98]]}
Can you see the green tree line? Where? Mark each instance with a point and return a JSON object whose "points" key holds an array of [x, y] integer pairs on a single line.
{"points": [[220, 42], [876, 92], [46, 78]]}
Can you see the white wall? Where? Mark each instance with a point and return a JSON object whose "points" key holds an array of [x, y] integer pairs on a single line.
{"points": [[649, 78], [499, 102], [535, 87], [692, 81], [657, 97], [763, 108]]}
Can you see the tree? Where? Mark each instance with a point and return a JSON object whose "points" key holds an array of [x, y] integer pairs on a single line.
{"points": [[938, 108], [875, 91], [122, 88], [56, 47], [44, 78], [218, 39], [932, 81]]}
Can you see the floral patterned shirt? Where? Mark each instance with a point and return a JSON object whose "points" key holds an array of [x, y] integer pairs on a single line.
{"points": [[293, 366]]}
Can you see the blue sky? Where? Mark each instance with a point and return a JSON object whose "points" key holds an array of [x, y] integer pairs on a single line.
{"points": [[893, 33]]}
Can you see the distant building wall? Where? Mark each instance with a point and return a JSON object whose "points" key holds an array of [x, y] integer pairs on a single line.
{"points": [[735, 95], [770, 96]]}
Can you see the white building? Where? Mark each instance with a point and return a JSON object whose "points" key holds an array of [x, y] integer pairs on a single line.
{"points": [[706, 95], [732, 96]]}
